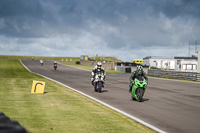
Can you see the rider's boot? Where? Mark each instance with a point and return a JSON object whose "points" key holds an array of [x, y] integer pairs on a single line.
{"points": [[92, 82], [130, 89], [103, 84]]}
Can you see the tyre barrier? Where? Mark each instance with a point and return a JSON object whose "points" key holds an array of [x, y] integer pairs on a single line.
{"points": [[9, 126]]}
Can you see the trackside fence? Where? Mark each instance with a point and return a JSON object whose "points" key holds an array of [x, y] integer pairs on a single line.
{"points": [[174, 74]]}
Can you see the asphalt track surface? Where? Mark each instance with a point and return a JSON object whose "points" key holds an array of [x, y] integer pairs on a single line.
{"points": [[172, 106]]}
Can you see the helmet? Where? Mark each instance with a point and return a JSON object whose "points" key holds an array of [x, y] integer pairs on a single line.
{"points": [[139, 70], [99, 64]]}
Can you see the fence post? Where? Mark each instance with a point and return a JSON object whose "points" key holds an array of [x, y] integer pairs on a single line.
{"points": [[198, 77]]}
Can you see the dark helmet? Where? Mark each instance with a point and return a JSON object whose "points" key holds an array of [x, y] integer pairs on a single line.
{"points": [[139, 70]]}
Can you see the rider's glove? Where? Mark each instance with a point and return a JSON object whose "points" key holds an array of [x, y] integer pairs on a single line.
{"points": [[92, 79], [133, 82]]}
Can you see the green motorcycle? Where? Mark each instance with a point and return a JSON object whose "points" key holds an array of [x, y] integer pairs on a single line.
{"points": [[138, 89]]}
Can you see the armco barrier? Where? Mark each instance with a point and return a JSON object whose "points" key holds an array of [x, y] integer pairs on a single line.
{"points": [[127, 70], [198, 77], [174, 74]]}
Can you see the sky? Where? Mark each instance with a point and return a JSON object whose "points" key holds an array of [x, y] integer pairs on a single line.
{"points": [[125, 29]]}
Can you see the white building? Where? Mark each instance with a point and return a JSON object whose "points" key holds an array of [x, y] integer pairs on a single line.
{"points": [[187, 64], [159, 62]]}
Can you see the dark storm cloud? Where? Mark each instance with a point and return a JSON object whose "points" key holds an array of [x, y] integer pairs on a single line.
{"points": [[19, 17], [33, 18], [116, 25], [13, 8], [175, 8]]}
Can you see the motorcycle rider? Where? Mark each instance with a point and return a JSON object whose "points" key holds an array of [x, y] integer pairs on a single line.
{"points": [[136, 74], [41, 62], [96, 69], [55, 63]]}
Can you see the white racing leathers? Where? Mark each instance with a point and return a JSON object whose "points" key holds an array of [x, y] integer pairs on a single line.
{"points": [[95, 74]]}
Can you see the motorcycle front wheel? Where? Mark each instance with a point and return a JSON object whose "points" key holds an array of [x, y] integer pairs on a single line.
{"points": [[99, 87], [95, 87], [140, 94]]}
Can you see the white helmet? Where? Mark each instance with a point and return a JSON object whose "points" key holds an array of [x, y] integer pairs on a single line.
{"points": [[99, 64]]}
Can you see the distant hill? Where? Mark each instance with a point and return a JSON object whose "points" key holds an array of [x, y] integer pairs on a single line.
{"points": [[40, 57], [107, 59], [97, 58]]}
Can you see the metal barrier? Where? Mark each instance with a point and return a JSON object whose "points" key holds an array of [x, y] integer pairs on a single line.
{"points": [[198, 77], [174, 74]]}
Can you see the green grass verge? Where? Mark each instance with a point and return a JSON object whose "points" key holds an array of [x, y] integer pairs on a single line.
{"points": [[59, 110], [70, 63], [39, 57]]}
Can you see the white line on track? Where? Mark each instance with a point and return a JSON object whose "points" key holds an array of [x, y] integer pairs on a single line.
{"points": [[105, 104]]}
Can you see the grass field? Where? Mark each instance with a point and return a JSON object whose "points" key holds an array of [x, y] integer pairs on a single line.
{"points": [[59, 109], [39, 57], [70, 63], [107, 59]]}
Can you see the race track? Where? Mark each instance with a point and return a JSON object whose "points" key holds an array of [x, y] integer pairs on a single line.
{"points": [[172, 106]]}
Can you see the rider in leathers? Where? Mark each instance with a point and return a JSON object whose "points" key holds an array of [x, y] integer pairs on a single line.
{"points": [[96, 69], [55, 63], [136, 74]]}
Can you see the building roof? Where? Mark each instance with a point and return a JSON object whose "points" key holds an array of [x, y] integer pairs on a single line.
{"points": [[193, 57], [158, 57], [176, 57]]}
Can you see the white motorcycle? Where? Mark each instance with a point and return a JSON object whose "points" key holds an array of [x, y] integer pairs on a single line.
{"points": [[98, 82]]}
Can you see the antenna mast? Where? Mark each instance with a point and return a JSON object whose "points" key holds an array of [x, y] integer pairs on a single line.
{"points": [[196, 46], [189, 50]]}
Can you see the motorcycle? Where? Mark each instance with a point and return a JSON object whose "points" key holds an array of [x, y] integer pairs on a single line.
{"points": [[98, 82], [139, 88], [41, 62], [55, 67]]}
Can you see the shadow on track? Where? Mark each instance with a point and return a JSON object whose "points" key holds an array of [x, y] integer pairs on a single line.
{"points": [[102, 91], [144, 100]]}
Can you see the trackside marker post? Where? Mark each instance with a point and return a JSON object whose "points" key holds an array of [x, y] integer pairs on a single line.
{"points": [[38, 87]]}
